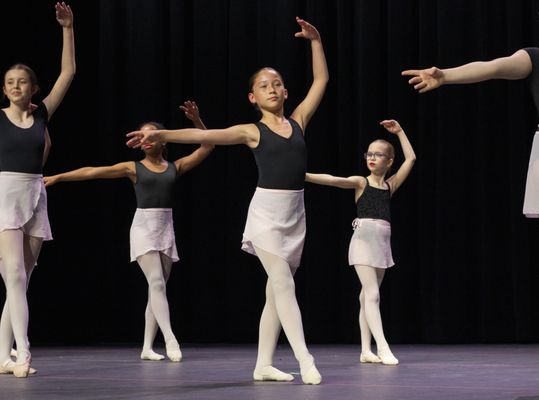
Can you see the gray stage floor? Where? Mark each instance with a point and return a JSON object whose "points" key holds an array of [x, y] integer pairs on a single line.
{"points": [[485, 372]]}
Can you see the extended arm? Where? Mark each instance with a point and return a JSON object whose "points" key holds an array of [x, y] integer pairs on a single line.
{"points": [[120, 170], [237, 134], [352, 182], [516, 66], [64, 16], [305, 110]]}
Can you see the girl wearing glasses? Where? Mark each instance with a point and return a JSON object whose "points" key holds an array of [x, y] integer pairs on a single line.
{"points": [[370, 250]]}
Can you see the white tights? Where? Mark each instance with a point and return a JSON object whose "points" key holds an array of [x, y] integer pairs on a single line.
{"points": [[281, 308], [19, 253], [370, 320], [156, 268]]}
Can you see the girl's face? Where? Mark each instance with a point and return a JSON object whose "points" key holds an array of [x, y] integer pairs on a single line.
{"points": [[154, 148], [377, 158], [17, 86], [268, 91]]}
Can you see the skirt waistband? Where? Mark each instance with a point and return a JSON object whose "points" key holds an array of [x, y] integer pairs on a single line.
{"points": [[20, 175], [283, 191], [356, 223]]}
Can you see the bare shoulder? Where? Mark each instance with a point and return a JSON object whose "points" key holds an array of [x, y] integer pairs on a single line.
{"points": [[127, 166], [361, 182], [523, 56], [252, 134]]}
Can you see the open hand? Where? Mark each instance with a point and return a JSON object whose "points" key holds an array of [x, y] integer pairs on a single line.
{"points": [[190, 109], [391, 125], [308, 31], [425, 79], [138, 138], [64, 15]]}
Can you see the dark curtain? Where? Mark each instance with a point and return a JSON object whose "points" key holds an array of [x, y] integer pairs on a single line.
{"points": [[467, 260]]}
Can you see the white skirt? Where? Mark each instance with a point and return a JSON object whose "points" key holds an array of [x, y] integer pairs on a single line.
{"points": [[371, 243], [23, 204], [153, 230], [276, 223], [531, 197]]}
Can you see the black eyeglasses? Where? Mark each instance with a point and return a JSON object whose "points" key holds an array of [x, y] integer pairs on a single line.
{"points": [[374, 155]]}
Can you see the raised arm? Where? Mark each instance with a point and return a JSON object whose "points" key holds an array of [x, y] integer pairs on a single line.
{"points": [[352, 182], [64, 16], [191, 111], [305, 110], [238, 134], [184, 164], [189, 162], [516, 66], [409, 155], [120, 170]]}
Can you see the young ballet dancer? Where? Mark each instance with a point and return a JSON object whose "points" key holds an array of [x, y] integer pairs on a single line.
{"points": [[24, 224], [152, 240], [370, 248], [275, 227], [522, 64]]}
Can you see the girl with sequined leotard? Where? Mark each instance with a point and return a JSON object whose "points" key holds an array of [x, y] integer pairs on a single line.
{"points": [[370, 248]]}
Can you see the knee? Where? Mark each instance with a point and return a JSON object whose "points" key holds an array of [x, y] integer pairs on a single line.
{"points": [[283, 285], [157, 285], [371, 297], [362, 299], [16, 277]]}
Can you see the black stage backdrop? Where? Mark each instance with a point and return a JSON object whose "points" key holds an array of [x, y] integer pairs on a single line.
{"points": [[467, 260]]}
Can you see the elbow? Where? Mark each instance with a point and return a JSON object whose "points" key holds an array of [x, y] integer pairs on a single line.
{"points": [[323, 80]]}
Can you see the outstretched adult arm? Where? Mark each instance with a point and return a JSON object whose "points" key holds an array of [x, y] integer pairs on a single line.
{"points": [[516, 66]]}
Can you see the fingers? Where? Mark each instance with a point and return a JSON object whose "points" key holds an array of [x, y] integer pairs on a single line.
{"points": [[389, 124], [308, 31], [415, 80], [63, 12], [422, 87], [189, 105], [410, 72], [134, 143], [135, 139], [48, 181], [190, 109]]}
